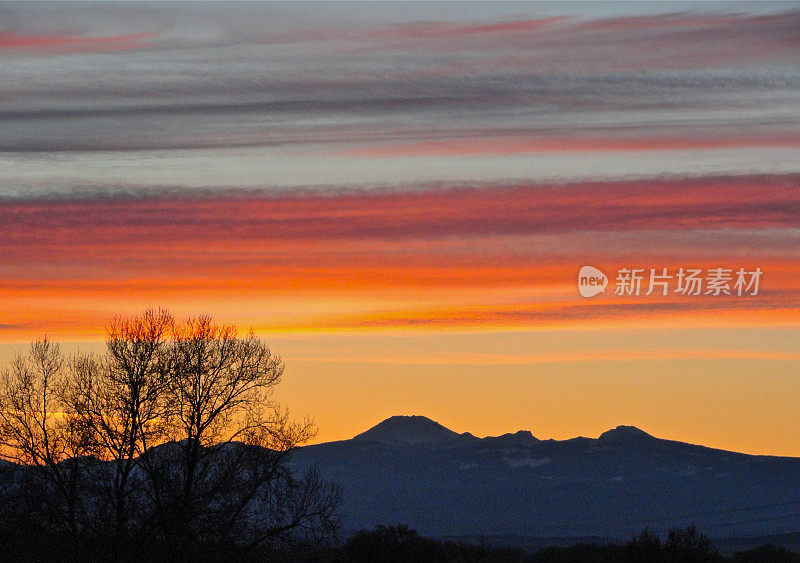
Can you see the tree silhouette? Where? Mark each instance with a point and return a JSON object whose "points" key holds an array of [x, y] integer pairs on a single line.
{"points": [[119, 403], [170, 440], [644, 547], [231, 441], [35, 432], [687, 544], [392, 544]]}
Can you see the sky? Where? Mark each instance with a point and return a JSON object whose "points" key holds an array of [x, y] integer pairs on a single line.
{"points": [[399, 198]]}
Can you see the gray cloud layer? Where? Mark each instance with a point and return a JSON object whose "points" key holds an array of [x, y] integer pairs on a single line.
{"points": [[304, 82]]}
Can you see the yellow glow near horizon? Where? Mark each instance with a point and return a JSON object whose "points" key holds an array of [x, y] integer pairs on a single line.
{"points": [[730, 388]]}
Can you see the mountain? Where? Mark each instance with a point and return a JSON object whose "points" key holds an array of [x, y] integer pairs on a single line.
{"points": [[625, 434], [412, 470], [409, 430]]}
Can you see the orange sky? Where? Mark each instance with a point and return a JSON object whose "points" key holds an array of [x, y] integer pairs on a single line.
{"points": [[458, 304], [400, 201], [733, 388], [495, 257]]}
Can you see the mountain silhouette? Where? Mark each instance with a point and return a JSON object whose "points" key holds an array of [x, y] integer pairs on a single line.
{"points": [[626, 434], [412, 470], [409, 430]]}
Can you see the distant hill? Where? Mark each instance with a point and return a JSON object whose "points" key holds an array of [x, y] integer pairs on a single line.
{"points": [[412, 470], [409, 430]]}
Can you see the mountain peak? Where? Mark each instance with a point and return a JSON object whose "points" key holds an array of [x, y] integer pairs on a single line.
{"points": [[625, 434], [408, 430], [520, 438]]}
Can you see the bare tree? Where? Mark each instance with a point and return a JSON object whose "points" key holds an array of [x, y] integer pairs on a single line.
{"points": [[234, 441], [170, 438], [119, 401], [35, 430]]}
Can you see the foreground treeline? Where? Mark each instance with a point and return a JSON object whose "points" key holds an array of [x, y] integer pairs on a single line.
{"points": [[401, 544], [25, 541], [167, 446]]}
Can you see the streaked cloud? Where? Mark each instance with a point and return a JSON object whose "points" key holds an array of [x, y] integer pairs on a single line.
{"points": [[60, 44], [506, 255], [406, 191]]}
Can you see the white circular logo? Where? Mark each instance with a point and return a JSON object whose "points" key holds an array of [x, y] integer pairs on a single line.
{"points": [[591, 281]]}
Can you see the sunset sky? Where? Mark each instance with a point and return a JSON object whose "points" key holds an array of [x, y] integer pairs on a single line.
{"points": [[399, 197]]}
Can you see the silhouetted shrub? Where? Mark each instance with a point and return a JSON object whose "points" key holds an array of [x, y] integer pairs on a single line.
{"points": [[391, 544], [767, 553], [688, 545], [644, 547]]}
